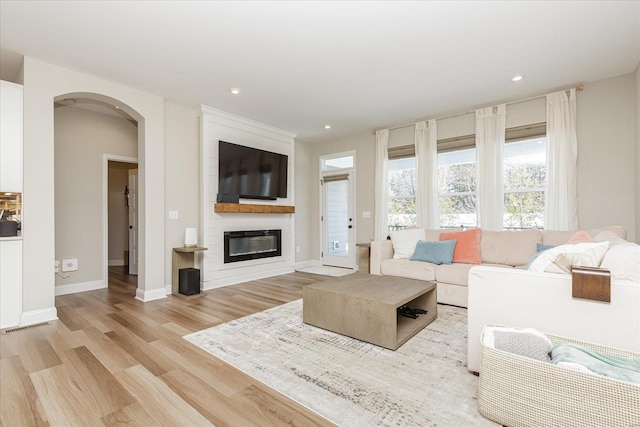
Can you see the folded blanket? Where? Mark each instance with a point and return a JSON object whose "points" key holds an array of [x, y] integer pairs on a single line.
{"points": [[619, 368]]}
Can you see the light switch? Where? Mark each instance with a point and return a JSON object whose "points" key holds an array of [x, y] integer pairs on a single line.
{"points": [[173, 214]]}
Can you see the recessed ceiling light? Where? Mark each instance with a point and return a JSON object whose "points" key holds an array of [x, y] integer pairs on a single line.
{"points": [[234, 91], [327, 126], [517, 77]]}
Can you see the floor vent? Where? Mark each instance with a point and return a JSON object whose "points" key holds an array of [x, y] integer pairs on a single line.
{"points": [[19, 328]]}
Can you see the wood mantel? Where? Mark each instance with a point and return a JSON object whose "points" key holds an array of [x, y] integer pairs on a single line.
{"points": [[251, 208]]}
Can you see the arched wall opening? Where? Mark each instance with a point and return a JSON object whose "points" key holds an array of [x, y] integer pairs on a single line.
{"points": [[43, 84], [91, 217]]}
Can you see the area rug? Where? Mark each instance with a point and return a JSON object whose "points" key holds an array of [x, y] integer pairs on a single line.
{"points": [[327, 271], [349, 382]]}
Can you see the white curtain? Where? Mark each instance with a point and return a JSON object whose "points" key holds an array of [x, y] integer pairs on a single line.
{"points": [[381, 195], [426, 141], [561, 195], [490, 131]]}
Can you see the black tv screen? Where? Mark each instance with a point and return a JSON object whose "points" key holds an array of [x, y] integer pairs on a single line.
{"points": [[251, 173]]}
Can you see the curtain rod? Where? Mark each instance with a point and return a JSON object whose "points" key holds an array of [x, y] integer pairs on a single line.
{"points": [[579, 88]]}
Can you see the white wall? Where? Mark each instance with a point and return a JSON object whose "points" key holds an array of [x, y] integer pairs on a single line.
{"points": [[44, 82], [307, 189], [307, 217], [81, 139], [606, 122], [118, 212], [181, 178]]}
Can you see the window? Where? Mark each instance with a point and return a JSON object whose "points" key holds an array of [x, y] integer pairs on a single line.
{"points": [[343, 161], [457, 188], [402, 193], [524, 183]]}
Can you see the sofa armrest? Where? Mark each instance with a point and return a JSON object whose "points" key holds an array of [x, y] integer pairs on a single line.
{"points": [[380, 250], [543, 301]]}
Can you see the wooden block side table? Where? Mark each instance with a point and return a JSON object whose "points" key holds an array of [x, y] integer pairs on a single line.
{"points": [[182, 258]]}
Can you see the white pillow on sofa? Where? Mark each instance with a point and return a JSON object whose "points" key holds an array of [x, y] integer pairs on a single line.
{"points": [[623, 257], [561, 258], [405, 241]]}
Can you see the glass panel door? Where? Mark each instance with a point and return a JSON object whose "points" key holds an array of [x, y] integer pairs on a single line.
{"points": [[338, 224]]}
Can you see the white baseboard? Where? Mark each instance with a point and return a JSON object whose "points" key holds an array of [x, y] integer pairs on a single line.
{"points": [[308, 263], [116, 262], [73, 288], [213, 284], [151, 294], [168, 289], [38, 316]]}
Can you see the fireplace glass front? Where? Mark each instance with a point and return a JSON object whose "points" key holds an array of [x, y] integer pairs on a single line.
{"points": [[248, 245]]}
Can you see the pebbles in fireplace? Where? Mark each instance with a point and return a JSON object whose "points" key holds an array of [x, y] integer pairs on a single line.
{"points": [[249, 245]]}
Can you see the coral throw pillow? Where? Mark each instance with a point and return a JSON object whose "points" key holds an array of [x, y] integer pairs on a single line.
{"points": [[580, 237], [467, 245]]}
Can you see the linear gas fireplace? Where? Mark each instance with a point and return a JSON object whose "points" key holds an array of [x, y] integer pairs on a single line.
{"points": [[248, 245]]}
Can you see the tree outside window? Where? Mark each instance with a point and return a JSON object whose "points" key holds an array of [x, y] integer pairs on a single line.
{"points": [[457, 177], [402, 193], [524, 183]]}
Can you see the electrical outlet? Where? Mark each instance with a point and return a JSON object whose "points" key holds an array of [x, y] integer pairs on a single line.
{"points": [[56, 268], [70, 264]]}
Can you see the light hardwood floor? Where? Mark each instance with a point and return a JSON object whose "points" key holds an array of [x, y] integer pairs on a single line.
{"points": [[112, 360]]}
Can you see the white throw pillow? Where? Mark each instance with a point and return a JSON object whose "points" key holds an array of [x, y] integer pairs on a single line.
{"points": [[405, 241], [561, 258], [623, 257], [623, 261]]}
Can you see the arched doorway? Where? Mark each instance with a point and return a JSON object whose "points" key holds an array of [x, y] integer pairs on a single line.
{"points": [[91, 132]]}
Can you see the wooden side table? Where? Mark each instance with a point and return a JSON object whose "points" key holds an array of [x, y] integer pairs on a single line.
{"points": [[182, 258], [363, 257]]}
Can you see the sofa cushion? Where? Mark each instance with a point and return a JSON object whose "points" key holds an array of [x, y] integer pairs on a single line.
{"points": [[551, 237], [509, 247], [455, 274], [467, 245], [434, 252], [433, 235], [404, 241], [409, 269]]}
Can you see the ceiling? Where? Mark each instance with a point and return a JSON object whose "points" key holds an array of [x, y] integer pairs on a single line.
{"points": [[355, 65]]}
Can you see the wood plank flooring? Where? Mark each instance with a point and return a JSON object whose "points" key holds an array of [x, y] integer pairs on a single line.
{"points": [[111, 360]]}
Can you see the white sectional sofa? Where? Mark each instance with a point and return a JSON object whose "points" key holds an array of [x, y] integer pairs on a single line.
{"points": [[501, 291], [505, 249]]}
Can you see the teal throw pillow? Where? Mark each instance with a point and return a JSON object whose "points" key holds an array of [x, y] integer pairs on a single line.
{"points": [[434, 252]]}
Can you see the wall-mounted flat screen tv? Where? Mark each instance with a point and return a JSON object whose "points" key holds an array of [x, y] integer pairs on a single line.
{"points": [[251, 173]]}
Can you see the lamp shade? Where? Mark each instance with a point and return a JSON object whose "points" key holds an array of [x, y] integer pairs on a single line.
{"points": [[191, 238]]}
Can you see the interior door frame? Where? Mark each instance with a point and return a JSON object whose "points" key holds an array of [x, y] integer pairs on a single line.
{"points": [[105, 208], [321, 172]]}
